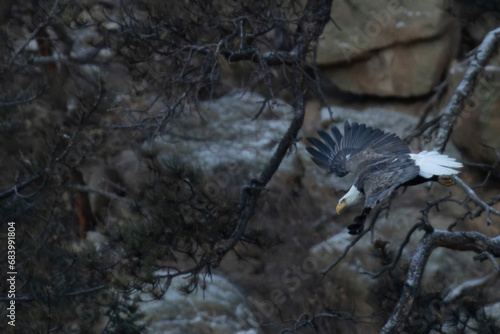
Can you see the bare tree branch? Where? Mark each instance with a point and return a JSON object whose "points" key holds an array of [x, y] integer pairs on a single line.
{"points": [[463, 241], [473, 283], [439, 91], [307, 321], [478, 61], [474, 241], [19, 186]]}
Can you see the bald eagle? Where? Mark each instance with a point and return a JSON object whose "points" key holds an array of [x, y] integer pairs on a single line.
{"points": [[381, 161]]}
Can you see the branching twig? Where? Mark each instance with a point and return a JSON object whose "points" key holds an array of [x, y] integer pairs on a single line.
{"points": [[420, 130], [101, 192], [439, 91], [22, 100], [487, 255], [484, 206], [305, 321], [398, 255], [473, 283], [19, 186], [73, 293], [81, 292], [35, 32]]}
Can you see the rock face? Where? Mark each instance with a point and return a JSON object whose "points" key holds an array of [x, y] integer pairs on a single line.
{"points": [[228, 134], [477, 17], [388, 48], [220, 308], [298, 207]]}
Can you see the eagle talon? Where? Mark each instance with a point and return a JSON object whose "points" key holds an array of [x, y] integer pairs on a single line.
{"points": [[360, 220], [446, 181], [356, 229]]}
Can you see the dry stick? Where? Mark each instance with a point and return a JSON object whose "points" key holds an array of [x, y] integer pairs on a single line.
{"points": [[420, 130], [423, 126], [305, 320], [19, 186], [472, 195], [439, 91], [456, 240], [394, 263], [345, 251], [101, 192], [470, 284], [354, 241]]}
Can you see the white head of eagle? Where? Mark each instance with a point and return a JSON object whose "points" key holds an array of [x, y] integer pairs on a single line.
{"points": [[381, 161]]}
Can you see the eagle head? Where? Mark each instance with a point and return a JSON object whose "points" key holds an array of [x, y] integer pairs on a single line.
{"points": [[351, 198]]}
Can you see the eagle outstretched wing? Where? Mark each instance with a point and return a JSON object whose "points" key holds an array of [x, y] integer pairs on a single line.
{"points": [[358, 147]]}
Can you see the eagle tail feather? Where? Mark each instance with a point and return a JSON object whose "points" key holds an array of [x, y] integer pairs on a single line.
{"points": [[433, 163]]}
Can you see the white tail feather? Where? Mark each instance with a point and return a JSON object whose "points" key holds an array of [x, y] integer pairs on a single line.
{"points": [[434, 163]]}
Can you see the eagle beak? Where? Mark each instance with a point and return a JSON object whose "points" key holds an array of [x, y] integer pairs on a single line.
{"points": [[341, 207]]}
